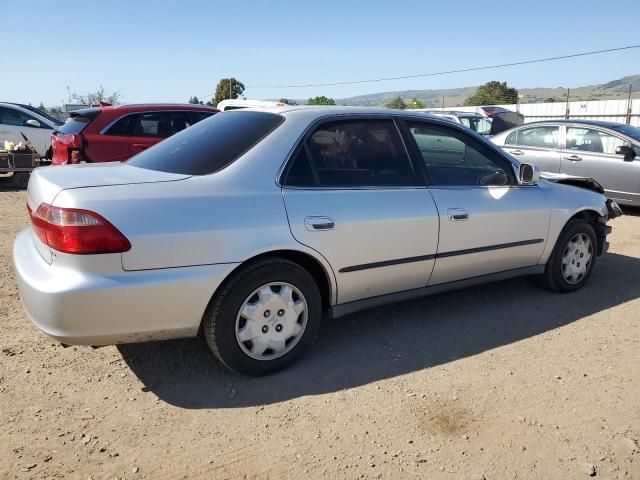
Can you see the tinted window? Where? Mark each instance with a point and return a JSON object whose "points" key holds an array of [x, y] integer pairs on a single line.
{"points": [[78, 120], [589, 140], [210, 145], [353, 153], [542, 137], [197, 116], [452, 158], [151, 124], [9, 116]]}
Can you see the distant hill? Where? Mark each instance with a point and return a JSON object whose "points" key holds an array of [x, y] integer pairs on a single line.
{"points": [[616, 89]]}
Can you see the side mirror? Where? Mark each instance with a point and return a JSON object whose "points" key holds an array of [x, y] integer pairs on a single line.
{"points": [[33, 123], [628, 152], [529, 174]]}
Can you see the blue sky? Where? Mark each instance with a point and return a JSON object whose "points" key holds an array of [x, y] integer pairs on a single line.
{"points": [[168, 50]]}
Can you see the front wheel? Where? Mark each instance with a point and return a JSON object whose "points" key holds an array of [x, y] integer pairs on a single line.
{"points": [[573, 257], [263, 317]]}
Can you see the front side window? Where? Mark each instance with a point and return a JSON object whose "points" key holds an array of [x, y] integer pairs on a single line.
{"points": [[9, 116], [540, 137], [594, 141], [353, 153], [454, 159]]}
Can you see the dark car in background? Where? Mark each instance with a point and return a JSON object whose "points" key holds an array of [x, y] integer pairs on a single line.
{"points": [[116, 133]]}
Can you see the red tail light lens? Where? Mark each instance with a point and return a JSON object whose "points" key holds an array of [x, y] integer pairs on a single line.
{"points": [[71, 230], [66, 148]]}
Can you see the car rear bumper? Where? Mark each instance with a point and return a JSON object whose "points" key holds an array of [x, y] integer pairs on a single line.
{"points": [[80, 308]]}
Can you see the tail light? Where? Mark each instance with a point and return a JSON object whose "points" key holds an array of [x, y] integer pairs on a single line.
{"points": [[66, 148], [71, 230]]}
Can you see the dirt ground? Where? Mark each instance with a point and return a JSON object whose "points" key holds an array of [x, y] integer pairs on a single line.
{"points": [[504, 381]]}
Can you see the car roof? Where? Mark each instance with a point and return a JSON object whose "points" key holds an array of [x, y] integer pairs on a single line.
{"points": [[564, 121]]}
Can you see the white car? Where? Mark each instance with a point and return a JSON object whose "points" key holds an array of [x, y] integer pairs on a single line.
{"points": [[17, 119], [236, 104]]}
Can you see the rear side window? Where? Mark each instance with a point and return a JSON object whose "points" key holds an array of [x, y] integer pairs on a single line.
{"points": [[151, 124], [355, 153], [210, 145], [541, 137]]}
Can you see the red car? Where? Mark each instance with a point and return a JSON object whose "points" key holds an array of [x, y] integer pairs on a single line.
{"points": [[115, 133]]}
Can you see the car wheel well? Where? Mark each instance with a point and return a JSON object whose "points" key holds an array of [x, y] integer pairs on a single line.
{"points": [[594, 218], [310, 264]]}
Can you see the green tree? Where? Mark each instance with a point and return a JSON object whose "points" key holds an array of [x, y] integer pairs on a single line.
{"points": [[42, 108], [321, 101], [549, 100], [492, 93], [415, 103], [194, 100], [396, 103], [228, 88]]}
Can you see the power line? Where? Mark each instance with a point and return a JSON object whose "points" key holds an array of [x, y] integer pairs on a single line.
{"points": [[448, 72]]}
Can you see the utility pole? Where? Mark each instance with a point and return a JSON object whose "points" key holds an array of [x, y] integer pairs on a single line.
{"points": [[628, 119], [442, 102], [567, 108]]}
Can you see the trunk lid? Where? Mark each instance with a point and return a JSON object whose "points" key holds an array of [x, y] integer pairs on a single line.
{"points": [[47, 182]]}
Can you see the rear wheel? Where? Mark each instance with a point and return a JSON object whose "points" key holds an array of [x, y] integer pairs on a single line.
{"points": [[20, 180], [573, 258], [264, 317]]}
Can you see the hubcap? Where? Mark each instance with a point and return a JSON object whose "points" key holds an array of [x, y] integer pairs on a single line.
{"points": [[271, 321], [576, 258]]}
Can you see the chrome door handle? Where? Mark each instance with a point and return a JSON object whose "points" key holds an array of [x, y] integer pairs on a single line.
{"points": [[458, 214], [573, 158], [516, 152], [314, 224]]}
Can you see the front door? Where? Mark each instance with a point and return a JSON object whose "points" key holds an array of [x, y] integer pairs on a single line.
{"points": [[591, 153], [488, 223], [352, 195]]}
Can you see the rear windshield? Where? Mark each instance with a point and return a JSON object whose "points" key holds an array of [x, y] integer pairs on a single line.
{"points": [[209, 145], [77, 121]]}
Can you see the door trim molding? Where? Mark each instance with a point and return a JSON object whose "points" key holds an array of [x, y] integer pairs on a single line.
{"points": [[453, 253], [337, 311]]}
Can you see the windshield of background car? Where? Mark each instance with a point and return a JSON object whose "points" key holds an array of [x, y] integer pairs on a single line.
{"points": [[629, 131], [209, 145], [479, 124]]}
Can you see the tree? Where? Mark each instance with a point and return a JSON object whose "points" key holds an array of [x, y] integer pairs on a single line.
{"points": [[194, 100], [492, 93], [94, 98], [321, 101], [549, 100], [228, 88], [42, 108], [287, 101], [415, 103], [396, 103]]}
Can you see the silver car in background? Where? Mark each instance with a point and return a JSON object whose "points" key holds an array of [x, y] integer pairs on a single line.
{"points": [[604, 151], [250, 225]]}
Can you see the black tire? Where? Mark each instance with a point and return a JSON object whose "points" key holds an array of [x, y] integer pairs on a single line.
{"points": [[553, 277], [20, 180], [219, 320]]}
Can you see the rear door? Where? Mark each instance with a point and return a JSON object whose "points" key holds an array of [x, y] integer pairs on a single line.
{"points": [[488, 222], [351, 194], [539, 145], [590, 152]]}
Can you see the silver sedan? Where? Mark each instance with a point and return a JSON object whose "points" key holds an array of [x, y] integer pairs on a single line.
{"points": [[604, 151], [252, 225]]}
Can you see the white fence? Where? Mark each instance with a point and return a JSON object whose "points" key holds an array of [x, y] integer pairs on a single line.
{"points": [[621, 111]]}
